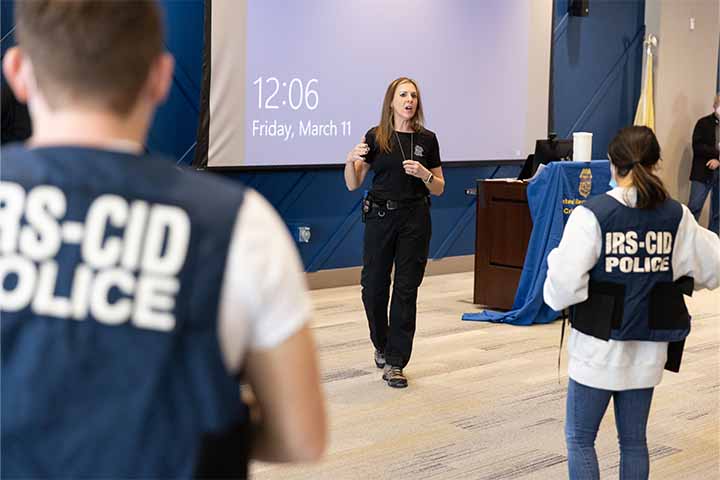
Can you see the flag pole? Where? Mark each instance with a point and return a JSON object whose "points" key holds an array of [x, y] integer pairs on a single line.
{"points": [[645, 113]]}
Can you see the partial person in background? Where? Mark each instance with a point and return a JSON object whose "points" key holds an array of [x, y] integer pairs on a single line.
{"points": [[624, 261], [16, 125], [705, 173], [405, 159], [134, 294]]}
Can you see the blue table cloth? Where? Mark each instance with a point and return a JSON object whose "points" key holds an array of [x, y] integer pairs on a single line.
{"points": [[552, 195]]}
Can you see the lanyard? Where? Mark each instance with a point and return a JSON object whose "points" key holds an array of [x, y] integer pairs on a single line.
{"points": [[401, 147]]}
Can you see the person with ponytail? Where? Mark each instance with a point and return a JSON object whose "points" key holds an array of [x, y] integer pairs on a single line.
{"points": [[624, 261], [405, 159]]}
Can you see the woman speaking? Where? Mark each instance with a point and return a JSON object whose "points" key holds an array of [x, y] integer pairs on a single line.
{"points": [[405, 159]]}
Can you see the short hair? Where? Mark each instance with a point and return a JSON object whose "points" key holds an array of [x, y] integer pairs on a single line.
{"points": [[92, 51]]}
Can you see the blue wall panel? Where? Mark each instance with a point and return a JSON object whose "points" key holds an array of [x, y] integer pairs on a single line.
{"points": [[6, 25], [596, 79], [319, 199], [597, 69], [175, 127]]}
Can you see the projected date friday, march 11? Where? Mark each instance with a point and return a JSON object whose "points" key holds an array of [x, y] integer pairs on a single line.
{"points": [[309, 128]]}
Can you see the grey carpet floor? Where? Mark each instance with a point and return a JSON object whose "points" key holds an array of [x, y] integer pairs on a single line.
{"points": [[486, 401]]}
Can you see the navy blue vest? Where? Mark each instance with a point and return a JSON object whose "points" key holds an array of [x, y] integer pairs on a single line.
{"points": [[632, 281], [111, 268]]}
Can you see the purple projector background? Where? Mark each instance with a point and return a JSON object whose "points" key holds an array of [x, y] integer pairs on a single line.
{"points": [[469, 57]]}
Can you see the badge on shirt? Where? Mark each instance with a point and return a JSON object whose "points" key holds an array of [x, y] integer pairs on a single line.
{"points": [[419, 152]]}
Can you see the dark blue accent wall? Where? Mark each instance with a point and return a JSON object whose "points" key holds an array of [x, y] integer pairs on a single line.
{"points": [[175, 127], [6, 25], [597, 69], [596, 81], [319, 199]]}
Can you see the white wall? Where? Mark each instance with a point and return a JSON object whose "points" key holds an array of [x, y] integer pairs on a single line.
{"points": [[686, 65]]}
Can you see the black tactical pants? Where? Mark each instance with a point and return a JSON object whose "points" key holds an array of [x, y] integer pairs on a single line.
{"points": [[400, 237]]}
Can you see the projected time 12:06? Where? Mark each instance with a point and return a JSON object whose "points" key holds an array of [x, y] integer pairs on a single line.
{"points": [[298, 95], [273, 94]]}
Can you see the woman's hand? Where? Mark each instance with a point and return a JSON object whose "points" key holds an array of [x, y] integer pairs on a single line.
{"points": [[356, 167], [416, 169], [358, 152]]}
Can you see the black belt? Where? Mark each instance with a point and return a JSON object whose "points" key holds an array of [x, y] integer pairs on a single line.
{"points": [[395, 204]]}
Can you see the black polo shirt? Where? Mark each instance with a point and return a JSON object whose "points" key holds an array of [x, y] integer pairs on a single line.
{"points": [[705, 147], [390, 182]]}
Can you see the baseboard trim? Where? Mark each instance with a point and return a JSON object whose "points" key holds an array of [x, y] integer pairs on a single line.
{"points": [[343, 277]]}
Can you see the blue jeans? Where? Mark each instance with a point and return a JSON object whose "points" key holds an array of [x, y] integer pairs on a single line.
{"points": [[699, 192], [585, 409]]}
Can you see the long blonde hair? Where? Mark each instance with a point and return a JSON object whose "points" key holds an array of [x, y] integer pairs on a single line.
{"points": [[384, 131]]}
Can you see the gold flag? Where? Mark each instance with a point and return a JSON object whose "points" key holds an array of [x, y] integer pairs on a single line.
{"points": [[645, 114]]}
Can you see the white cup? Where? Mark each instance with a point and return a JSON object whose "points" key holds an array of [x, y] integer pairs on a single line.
{"points": [[582, 146]]}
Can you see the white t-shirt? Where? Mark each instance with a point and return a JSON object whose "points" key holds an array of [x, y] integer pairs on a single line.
{"points": [[264, 298], [631, 364]]}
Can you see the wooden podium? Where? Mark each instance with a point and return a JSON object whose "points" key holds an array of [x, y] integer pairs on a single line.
{"points": [[502, 233]]}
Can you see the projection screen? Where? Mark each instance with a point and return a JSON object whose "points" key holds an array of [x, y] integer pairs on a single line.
{"points": [[297, 83]]}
